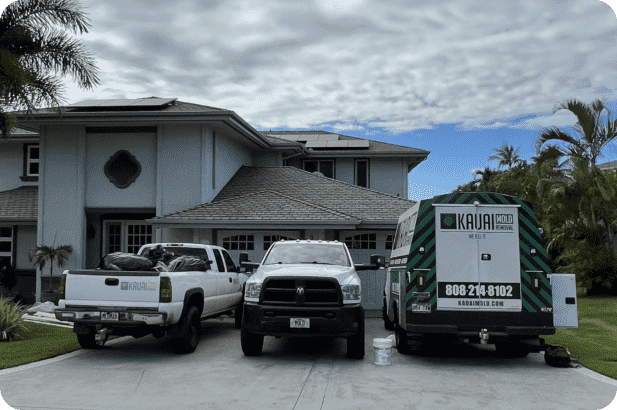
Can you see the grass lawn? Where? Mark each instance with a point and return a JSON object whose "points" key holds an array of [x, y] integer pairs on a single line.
{"points": [[39, 342], [594, 343]]}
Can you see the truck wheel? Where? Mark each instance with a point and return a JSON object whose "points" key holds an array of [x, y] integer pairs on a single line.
{"points": [[388, 324], [238, 315], [355, 343], [511, 350], [189, 329], [251, 343], [87, 341], [402, 340]]}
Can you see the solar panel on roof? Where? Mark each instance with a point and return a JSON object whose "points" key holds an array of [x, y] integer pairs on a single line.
{"points": [[335, 145], [316, 144], [285, 137], [153, 101], [328, 137], [357, 143]]}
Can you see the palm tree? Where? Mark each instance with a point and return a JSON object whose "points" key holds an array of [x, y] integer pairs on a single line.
{"points": [[593, 133], [485, 177], [43, 254], [35, 53], [507, 156]]}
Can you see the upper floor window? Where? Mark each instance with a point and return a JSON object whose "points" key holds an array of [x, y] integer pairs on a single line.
{"points": [[6, 244], [361, 173], [389, 241], [31, 162], [324, 166]]}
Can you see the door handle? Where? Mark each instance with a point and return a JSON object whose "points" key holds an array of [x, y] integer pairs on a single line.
{"points": [[230, 280], [111, 282]]}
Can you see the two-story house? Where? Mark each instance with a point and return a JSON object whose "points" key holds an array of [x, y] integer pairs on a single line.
{"points": [[115, 174]]}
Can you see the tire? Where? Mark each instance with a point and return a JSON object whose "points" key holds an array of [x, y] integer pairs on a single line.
{"points": [[252, 344], [388, 324], [87, 341], [402, 341], [355, 343], [511, 350], [189, 329], [238, 315]]}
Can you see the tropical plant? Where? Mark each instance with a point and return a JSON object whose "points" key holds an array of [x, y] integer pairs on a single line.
{"points": [[43, 254], [485, 175], [35, 51], [11, 319], [593, 130], [506, 155]]}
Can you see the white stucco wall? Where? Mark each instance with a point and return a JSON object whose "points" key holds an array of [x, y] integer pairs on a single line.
{"points": [[100, 191], [386, 175], [229, 157], [61, 218], [12, 165], [26, 240], [179, 160]]}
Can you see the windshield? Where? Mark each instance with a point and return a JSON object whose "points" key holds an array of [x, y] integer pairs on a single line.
{"points": [[182, 251], [316, 253]]}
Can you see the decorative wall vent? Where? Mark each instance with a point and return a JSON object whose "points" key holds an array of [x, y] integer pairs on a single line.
{"points": [[122, 169]]}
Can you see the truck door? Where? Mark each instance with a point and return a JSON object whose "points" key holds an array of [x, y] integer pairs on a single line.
{"points": [[477, 252], [499, 264]]}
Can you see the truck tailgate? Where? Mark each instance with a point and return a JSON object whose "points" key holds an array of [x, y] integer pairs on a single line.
{"points": [[112, 286]]}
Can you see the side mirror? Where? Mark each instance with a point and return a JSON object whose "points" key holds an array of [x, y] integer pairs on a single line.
{"points": [[243, 262], [378, 261]]}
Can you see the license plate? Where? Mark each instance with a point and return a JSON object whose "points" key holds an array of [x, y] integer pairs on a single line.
{"points": [[302, 323], [109, 315], [420, 307]]}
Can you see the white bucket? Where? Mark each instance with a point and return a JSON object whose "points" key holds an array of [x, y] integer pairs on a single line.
{"points": [[383, 351]]}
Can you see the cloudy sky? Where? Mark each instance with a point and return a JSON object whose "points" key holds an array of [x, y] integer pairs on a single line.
{"points": [[455, 77]]}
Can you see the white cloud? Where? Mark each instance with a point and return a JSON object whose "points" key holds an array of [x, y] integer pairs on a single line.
{"points": [[398, 66]]}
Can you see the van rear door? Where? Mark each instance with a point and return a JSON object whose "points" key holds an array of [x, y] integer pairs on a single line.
{"points": [[478, 263]]}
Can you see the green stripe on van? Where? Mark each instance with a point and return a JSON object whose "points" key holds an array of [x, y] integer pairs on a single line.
{"points": [[547, 297], [528, 307], [487, 197], [533, 297]]}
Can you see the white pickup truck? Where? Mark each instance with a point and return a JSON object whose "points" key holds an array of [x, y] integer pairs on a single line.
{"points": [[138, 303], [304, 288]]}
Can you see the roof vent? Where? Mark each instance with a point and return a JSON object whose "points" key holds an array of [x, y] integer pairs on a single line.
{"points": [[319, 174]]}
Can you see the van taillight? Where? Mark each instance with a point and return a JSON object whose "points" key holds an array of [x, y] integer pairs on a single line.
{"points": [[62, 287], [165, 290]]}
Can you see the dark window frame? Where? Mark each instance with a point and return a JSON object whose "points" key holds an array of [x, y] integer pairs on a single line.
{"points": [[368, 172], [26, 161], [319, 161]]}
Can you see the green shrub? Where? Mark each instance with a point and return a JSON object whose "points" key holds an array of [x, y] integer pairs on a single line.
{"points": [[11, 319]]}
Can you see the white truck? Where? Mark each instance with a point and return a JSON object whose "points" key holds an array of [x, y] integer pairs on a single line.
{"points": [[471, 267], [304, 288], [138, 303]]}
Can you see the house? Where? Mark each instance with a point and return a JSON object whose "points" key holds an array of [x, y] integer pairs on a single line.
{"points": [[115, 174]]}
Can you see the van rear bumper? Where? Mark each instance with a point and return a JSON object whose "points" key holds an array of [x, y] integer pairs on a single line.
{"points": [[471, 331]]}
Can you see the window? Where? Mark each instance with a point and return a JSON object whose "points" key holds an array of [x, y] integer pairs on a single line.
{"points": [[31, 162], [6, 244], [362, 241], [239, 243], [219, 260], [389, 240], [229, 262], [270, 239], [361, 173], [126, 236], [326, 167]]}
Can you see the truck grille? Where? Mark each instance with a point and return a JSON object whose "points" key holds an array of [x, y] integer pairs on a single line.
{"points": [[303, 292]]}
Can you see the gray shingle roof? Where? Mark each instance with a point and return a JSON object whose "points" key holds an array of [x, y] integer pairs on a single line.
{"points": [[277, 194], [374, 146], [19, 204], [258, 206]]}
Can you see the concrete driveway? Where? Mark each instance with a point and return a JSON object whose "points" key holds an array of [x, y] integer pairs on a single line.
{"points": [[296, 374]]}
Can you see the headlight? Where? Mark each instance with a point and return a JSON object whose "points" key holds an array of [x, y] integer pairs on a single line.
{"points": [[252, 291], [351, 293]]}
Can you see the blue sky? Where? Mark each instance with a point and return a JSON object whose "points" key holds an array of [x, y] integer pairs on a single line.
{"points": [[454, 77]]}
